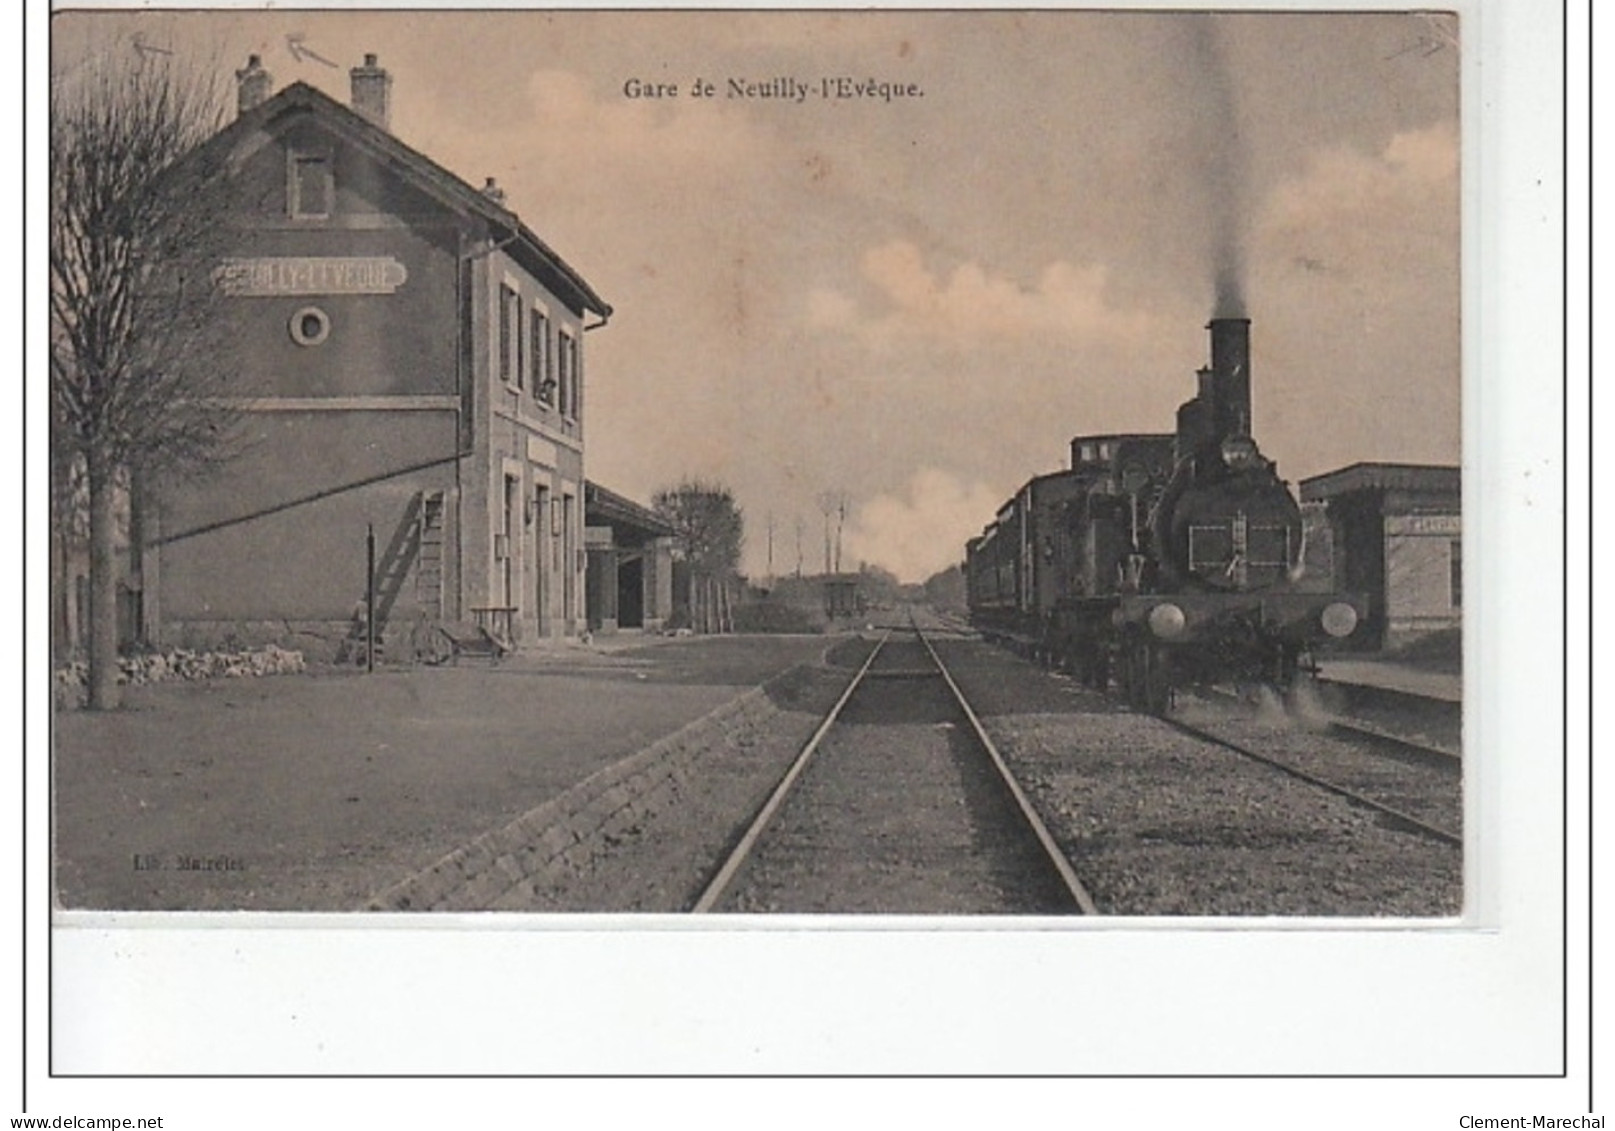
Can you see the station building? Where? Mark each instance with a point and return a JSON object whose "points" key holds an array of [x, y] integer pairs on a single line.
{"points": [[411, 368], [1397, 535]]}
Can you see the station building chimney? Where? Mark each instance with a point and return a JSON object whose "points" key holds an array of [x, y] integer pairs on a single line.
{"points": [[253, 84], [373, 91]]}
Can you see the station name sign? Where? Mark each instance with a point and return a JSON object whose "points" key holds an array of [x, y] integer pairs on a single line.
{"points": [[1446, 524], [311, 275]]}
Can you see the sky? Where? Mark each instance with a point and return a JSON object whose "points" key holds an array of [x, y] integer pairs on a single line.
{"points": [[915, 302]]}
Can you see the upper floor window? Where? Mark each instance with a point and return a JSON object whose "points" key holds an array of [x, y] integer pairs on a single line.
{"points": [[521, 346], [567, 357], [310, 187], [543, 361], [511, 350]]}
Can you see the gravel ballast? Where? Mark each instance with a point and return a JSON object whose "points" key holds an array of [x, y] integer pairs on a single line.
{"points": [[1426, 790], [1158, 823], [899, 812]]}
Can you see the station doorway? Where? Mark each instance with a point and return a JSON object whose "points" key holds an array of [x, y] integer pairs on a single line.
{"points": [[631, 592]]}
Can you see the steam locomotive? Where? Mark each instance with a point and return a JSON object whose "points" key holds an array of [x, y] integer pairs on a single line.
{"points": [[1162, 560]]}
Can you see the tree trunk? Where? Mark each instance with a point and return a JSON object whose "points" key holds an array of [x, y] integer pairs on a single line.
{"points": [[138, 511], [61, 584], [103, 626]]}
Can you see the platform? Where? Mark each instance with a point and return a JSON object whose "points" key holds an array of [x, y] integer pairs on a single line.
{"points": [[1387, 675], [310, 792]]}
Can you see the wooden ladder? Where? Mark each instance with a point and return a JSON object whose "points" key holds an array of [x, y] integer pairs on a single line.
{"points": [[416, 543], [429, 556]]}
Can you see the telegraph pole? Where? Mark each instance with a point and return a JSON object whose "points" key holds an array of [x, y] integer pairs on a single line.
{"points": [[841, 521]]}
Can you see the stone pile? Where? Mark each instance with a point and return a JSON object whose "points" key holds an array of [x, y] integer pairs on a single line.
{"points": [[182, 663]]}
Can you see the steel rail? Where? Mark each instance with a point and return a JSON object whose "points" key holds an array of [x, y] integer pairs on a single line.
{"points": [[1433, 831], [1365, 734], [726, 874], [1368, 734], [1074, 886]]}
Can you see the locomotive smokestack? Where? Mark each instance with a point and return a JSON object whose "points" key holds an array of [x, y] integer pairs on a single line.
{"points": [[1231, 375]]}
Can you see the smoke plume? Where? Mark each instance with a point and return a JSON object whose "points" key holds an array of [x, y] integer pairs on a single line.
{"points": [[1221, 157]]}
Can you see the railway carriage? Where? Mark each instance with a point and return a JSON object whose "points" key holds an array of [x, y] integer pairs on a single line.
{"points": [[1162, 560]]}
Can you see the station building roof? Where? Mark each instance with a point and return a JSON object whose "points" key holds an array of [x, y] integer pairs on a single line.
{"points": [[1431, 479]]}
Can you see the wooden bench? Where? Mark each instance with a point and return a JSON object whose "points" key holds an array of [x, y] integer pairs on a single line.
{"points": [[466, 638]]}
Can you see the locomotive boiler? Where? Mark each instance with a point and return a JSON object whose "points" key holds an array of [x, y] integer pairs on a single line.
{"points": [[1162, 560]]}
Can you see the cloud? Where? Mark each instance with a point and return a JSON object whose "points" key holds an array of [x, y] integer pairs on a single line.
{"points": [[1338, 213], [972, 306], [1362, 248], [922, 527]]}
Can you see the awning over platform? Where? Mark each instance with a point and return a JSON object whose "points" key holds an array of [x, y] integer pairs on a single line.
{"points": [[630, 521]]}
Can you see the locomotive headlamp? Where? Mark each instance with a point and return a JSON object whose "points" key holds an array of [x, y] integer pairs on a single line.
{"points": [[1239, 452], [1167, 620], [1338, 619]]}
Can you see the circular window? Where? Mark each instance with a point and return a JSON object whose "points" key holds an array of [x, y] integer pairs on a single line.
{"points": [[310, 326]]}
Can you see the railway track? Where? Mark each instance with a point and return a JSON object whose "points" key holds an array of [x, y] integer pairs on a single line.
{"points": [[1412, 784], [1370, 736], [1422, 795], [1425, 721], [898, 803], [1397, 745]]}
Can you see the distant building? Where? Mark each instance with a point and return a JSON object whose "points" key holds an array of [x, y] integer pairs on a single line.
{"points": [[843, 595], [411, 362], [1397, 535]]}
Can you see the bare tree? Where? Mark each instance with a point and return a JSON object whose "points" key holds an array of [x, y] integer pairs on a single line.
{"points": [[137, 209], [827, 507], [946, 590], [709, 535], [833, 503]]}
